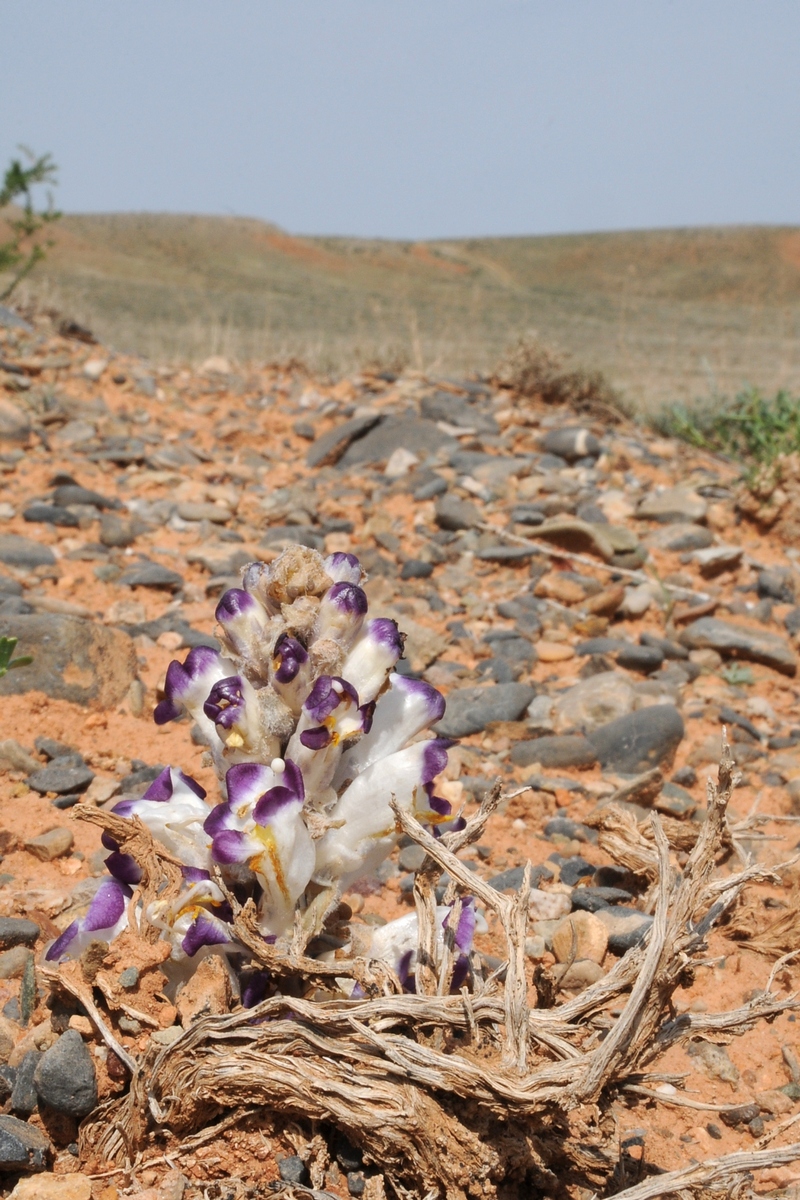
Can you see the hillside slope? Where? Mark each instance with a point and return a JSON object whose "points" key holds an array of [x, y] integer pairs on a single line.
{"points": [[668, 315]]}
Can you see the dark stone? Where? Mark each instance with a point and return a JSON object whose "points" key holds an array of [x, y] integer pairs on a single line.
{"points": [[50, 748], [356, 1183], [140, 779], [756, 1127], [626, 927], [435, 487], [714, 1131], [571, 443], [792, 621], [556, 750], [120, 450], [669, 649], [7, 1078], [737, 641], [129, 977], [305, 429], [60, 779], [511, 879], [499, 669], [527, 514], [72, 493], [601, 645], [675, 801], [685, 777], [590, 899], [17, 931], [453, 514], [50, 514], [742, 1115], [10, 587], [23, 1094], [513, 648], [116, 532], [455, 410], [729, 716], [329, 448], [640, 740], [152, 575], [644, 659], [75, 660], [65, 1078], [567, 828], [293, 1170], [22, 1147], [575, 868], [413, 433], [414, 568], [506, 554], [19, 551], [776, 584], [470, 710]]}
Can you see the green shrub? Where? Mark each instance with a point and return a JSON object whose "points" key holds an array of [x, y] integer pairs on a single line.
{"points": [[27, 243], [749, 428]]}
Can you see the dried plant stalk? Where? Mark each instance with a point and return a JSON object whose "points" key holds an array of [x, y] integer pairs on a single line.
{"points": [[457, 1095]]}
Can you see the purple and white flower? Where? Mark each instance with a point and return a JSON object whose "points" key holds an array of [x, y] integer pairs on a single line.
{"points": [[106, 916], [245, 628], [341, 614], [396, 943], [331, 718], [290, 672], [363, 828], [187, 686], [198, 918], [405, 709], [375, 652], [261, 827], [343, 567], [174, 810]]}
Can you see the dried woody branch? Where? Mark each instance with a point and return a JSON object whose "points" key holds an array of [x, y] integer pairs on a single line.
{"points": [[399, 1074]]}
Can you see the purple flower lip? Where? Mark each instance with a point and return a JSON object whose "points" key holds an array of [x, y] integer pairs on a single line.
{"points": [[386, 633], [225, 703], [162, 787], [288, 657], [205, 930], [316, 739], [326, 695], [434, 759], [180, 679], [348, 598], [343, 567], [233, 604]]}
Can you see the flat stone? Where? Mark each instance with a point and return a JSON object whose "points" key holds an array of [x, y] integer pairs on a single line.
{"points": [[55, 843], [453, 514], [505, 554], [716, 559], [680, 537], [301, 535], [411, 858], [470, 710], [60, 1187], [639, 740], [60, 778], [626, 927], [738, 641], [527, 514], [580, 935], [65, 1078], [152, 575], [16, 931], [72, 493], [215, 513], [456, 410], [15, 424], [73, 659], [671, 505], [19, 551], [776, 583], [675, 801], [579, 536], [117, 532], [570, 443], [555, 751], [669, 649], [328, 449], [435, 487], [50, 514], [414, 568], [579, 975], [644, 659], [594, 702], [421, 437], [590, 899], [22, 1146]]}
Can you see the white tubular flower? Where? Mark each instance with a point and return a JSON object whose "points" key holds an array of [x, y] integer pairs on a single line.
{"points": [[377, 649], [198, 918], [174, 810], [396, 943], [409, 706], [365, 828]]}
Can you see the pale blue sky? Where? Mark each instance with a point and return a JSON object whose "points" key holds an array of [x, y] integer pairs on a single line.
{"points": [[413, 118]]}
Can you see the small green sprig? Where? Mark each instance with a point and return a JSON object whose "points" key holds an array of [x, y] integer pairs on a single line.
{"points": [[7, 663]]}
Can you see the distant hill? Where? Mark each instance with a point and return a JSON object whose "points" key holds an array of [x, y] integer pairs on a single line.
{"points": [[667, 314]]}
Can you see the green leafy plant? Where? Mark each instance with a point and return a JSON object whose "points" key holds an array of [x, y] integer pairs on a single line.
{"points": [[737, 675], [26, 222], [751, 428], [7, 663]]}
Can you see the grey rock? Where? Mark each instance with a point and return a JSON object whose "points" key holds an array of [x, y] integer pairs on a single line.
{"points": [[593, 898], [506, 554], [776, 584], [60, 778], [50, 514], [675, 801], [411, 858], [301, 535], [594, 702], [640, 740], [72, 493], [65, 1078], [129, 977], [626, 927], [73, 659], [14, 606], [470, 710], [23, 1093], [573, 869], [672, 505], [17, 931], [455, 410], [22, 1147], [738, 641], [293, 1170], [10, 587], [414, 568], [11, 320], [51, 749], [579, 536], [644, 659], [570, 443], [669, 649], [555, 751], [416, 434], [19, 551], [681, 537], [716, 559], [120, 450], [564, 827], [453, 514], [435, 487], [152, 575], [117, 532], [527, 514], [513, 648], [329, 448]]}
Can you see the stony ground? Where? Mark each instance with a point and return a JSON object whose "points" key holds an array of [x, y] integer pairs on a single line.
{"points": [[602, 661]]}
